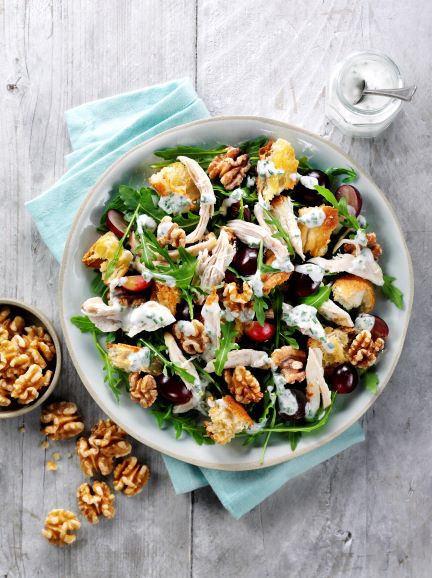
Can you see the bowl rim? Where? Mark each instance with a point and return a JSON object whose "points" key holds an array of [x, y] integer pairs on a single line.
{"points": [[4, 414], [252, 465]]}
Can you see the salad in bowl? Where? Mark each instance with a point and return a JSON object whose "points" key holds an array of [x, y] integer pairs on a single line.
{"points": [[234, 292]]}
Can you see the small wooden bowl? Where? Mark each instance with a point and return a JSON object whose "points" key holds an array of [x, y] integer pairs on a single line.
{"points": [[36, 317]]}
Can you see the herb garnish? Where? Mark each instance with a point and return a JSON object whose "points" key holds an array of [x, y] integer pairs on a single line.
{"points": [[338, 171], [318, 298], [393, 293], [370, 380], [341, 206], [227, 344]]}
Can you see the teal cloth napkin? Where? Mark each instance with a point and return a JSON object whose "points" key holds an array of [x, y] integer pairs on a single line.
{"points": [[100, 132]]}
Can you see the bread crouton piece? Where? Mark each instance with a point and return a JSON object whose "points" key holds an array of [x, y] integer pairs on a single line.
{"points": [[353, 292], [167, 296], [101, 253], [276, 169], [316, 239], [228, 418], [175, 179], [340, 340]]}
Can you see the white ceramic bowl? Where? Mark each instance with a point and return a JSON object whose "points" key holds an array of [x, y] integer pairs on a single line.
{"points": [[75, 288]]}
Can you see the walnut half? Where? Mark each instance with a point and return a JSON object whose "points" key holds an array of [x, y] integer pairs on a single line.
{"points": [[130, 476], [364, 351], [96, 501], [142, 389], [59, 527], [231, 168], [291, 363], [61, 421], [243, 385]]}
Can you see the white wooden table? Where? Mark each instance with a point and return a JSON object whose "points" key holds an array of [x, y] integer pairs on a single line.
{"points": [[365, 513]]}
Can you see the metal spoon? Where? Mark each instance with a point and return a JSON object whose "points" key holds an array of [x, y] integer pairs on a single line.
{"points": [[360, 90]]}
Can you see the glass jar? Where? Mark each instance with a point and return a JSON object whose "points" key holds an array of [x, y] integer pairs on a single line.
{"points": [[372, 114]]}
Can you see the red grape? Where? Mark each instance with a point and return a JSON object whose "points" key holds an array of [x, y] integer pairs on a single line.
{"points": [[135, 283], [352, 197], [245, 260], [234, 211], [173, 389], [260, 333], [380, 328], [302, 284], [116, 223], [344, 378], [308, 196]]}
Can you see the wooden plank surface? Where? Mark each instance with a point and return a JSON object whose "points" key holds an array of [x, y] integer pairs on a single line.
{"points": [[364, 513]]}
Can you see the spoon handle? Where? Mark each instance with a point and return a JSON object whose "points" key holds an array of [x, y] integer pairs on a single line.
{"points": [[406, 93]]}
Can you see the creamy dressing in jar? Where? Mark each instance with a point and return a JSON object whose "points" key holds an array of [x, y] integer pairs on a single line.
{"points": [[373, 113]]}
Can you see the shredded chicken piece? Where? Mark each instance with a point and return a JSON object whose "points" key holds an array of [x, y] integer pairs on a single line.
{"points": [[211, 268], [196, 249], [176, 356], [250, 233], [362, 265], [211, 314], [283, 209], [336, 314], [207, 198], [246, 357], [316, 387], [148, 316]]}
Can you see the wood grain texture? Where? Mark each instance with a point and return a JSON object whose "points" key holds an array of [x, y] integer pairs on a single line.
{"points": [[364, 513]]}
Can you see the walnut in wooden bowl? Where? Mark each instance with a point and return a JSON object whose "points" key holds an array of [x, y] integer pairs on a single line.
{"points": [[30, 358]]}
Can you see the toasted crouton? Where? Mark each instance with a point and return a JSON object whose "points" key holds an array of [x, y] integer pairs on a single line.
{"points": [[101, 253], [353, 292], [340, 341], [167, 296], [281, 155], [228, 418], [316, 239], [174, 179]]}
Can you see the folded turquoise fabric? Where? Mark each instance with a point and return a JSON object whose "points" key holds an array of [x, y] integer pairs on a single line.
{"points": [[100, 132]]}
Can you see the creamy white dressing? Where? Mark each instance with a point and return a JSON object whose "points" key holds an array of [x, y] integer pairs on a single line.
{"points": [[186, 327], [363, 265], [139, 360], [286, 399], [364, 322], [362, 221], [257, 427], [174, 204], [164, 228], [283, 264], [313, 217], [250, 181], [304, 317], [234, 197], [266, 168], [309, 182], [246, 314], [315, 272], [256, 283], [145, 222]]}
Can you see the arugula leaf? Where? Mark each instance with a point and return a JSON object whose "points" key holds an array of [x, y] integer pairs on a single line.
{"points": [[182, 373], [305, 428], [85, 325], [97, 285], [393, 293], [182, 423], [114, 377], [337, 171], [286, 339], [186, 223], [370, 380], [115, 203], [183, 273], [260, 307], [251, 147], [227, 344], [132, 198], [341, 206], [294, 438], [318, 298], [303, 166], [277, 310], [281, 233], [201, 155]]}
